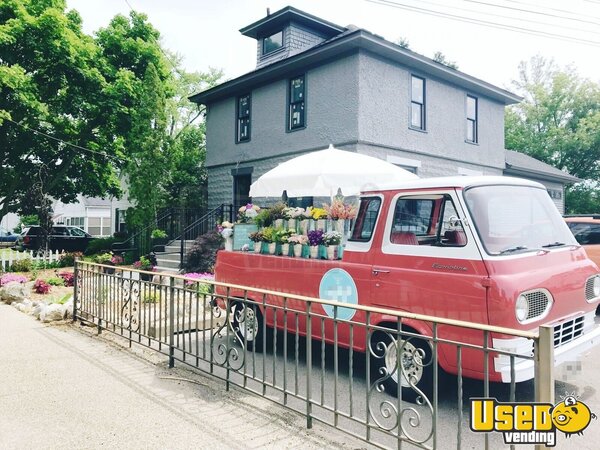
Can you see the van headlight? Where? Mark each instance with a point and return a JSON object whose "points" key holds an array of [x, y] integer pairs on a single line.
{"points": [[521, 308]]}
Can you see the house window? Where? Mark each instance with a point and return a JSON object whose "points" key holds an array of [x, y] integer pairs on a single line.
{"points": [[417, 103], [272, 43], [472, 119], [296, 104], [243, 119], [76, 222], [99, 226]]}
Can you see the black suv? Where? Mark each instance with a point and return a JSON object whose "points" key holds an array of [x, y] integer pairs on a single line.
{"points": [[69, 239]]}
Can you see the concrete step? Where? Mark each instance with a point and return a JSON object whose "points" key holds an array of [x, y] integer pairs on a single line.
{"points": [[166, 269], [169, 256], [167, 263]]}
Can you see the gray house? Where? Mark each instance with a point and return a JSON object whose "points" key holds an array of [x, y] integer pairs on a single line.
{"points": [[317, 83]]}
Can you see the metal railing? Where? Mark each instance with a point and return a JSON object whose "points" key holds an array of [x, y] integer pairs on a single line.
{"points": [[171, 220], [202, 225], [345, 376]]}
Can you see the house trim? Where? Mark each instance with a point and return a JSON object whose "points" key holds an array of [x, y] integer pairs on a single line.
{"points": [[339, 46]]}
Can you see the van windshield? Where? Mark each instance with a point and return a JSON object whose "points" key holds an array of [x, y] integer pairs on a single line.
{"points": [[512, 219]]}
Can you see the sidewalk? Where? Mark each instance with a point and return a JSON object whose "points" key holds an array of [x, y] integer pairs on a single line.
{"points": [[65, 388]]}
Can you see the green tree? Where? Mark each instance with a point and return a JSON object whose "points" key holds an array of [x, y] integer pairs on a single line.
{"points": [[558, 122], [50, 81]]}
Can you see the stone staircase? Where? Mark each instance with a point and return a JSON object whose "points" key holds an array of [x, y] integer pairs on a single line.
{"points": [[169, 260]]}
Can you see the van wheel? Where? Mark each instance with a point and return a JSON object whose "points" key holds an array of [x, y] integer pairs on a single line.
{"points": [[415, 369], [247, 324]]}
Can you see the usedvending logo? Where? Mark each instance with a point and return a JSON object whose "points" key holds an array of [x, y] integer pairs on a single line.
{"points": [[530, 423]]}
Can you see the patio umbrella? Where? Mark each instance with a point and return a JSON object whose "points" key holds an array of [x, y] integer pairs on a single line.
{"points": [[322, 173]]}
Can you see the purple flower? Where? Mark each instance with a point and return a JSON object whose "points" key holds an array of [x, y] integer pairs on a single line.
{"points": [[12, 278], [315, 237], [198, 276]]}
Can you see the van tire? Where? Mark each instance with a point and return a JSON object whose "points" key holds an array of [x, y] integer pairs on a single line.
{"points": [[418, 365], [247, 323]]}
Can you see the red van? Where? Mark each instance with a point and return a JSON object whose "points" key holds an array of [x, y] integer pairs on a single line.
{"points": [[489, 250]]}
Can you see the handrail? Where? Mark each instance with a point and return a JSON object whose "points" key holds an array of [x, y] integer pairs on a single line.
{"points": [[219, 210], [121, 245]]}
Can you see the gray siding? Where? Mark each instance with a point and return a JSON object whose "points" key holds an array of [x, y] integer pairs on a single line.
{"points": [[385, 113], [331, 117], [295, 40]]}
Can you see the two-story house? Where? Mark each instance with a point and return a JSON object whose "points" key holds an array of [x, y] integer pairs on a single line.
{"points": [[317, 83]]}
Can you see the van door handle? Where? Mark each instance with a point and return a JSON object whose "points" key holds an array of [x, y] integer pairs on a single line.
{"points": [[378, 271]]}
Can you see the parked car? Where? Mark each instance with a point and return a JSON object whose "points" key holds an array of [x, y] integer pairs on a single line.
{"points": [[586, 230], [7, 239], [67, 238]]}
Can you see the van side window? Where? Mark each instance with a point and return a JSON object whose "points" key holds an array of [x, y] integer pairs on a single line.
{"points": [[365, 219], [427, 221]]}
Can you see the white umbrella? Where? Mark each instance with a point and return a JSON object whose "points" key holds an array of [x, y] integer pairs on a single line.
{"points": [[322, 173]]}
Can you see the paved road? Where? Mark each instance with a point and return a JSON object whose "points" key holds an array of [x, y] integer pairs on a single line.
{"points": [[64, 388]]}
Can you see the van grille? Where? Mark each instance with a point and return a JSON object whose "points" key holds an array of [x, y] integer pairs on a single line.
{"points": [[567, 331], [539, 302], [589, 289]]}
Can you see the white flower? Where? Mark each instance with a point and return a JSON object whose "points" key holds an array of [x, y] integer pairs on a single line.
{"points": [[227, 232]]}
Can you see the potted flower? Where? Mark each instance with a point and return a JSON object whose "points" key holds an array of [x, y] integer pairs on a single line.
{"points": [[144, 263], [277, 214], [298, 241], [281, 237], [257, 238], [247, 213], [331, 240], [226, 231], [269, 237], [318, 215], [341, 213], [315, 239], [105, 258], [159, 240]]}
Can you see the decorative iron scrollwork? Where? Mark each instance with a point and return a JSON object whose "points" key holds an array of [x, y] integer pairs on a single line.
{"points": [[130, 311]]}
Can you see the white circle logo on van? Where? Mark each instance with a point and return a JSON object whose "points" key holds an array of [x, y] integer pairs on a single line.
{"points": [[338, 285]]}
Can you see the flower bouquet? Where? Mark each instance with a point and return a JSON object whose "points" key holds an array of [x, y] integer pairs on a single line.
{"points": [[269, 237], [298, 241], [258, 238], [247, 213], [315, 239], [281, 237], [225, 229], [331, 240], [340, 212]]}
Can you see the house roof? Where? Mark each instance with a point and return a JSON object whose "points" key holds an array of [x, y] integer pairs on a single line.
{"points": [[273, 22], [96, 202], [347, 42], [521, 164]]}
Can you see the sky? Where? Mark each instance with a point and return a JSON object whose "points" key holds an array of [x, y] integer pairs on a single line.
{"points": [[206, 32]]}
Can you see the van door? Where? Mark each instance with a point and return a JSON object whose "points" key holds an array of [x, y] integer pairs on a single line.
{"points": [[429, 262]]}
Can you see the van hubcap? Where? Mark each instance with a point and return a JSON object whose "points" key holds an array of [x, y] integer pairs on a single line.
{"points": [[411, 360]]}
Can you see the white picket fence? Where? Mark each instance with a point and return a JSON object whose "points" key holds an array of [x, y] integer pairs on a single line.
{"points": [[8, 258]]}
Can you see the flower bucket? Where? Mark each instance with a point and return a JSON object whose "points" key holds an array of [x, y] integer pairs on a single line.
{"points": [[298, 250], [229, 244], [331, 251], [257, 247], [320, 224], [285, 249], [291, 224], [272, 247], [304, 227], [278, 223], [314, 251], [339, 226]]}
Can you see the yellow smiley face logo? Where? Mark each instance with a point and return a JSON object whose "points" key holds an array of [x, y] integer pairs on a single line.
{"points": [[571, 416]]}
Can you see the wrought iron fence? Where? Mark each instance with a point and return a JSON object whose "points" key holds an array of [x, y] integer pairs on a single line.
{"points": [[347, 375]]}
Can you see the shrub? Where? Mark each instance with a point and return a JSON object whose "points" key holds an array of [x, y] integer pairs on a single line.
{"points": [[120, 236], [203, 254], [22, 265], [41, 265], [158, 234], [68, 259], [41, 287], [56, 281], [11, 277], [101, 245], [151, 298], [68, 278], [103, 258]]}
